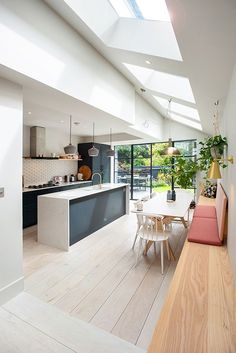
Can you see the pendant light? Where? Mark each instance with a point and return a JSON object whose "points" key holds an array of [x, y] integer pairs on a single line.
{"points": [[70, 149], [170, 150], [214, 171], [110, 152], [93, 151]]}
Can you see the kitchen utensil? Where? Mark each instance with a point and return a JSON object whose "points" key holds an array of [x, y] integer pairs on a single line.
{"points": [[86, 171]]}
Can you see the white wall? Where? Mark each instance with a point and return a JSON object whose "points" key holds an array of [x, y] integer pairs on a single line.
{"points": [[147, 120], [51, 52], [181, 132], [229, 174], [11, 275], [55, 140]]}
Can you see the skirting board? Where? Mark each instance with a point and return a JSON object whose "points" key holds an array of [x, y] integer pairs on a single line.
{"points": [[11, 290]]}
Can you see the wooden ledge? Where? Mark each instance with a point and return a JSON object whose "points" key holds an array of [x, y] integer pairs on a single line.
{"points": [[199, 314]]}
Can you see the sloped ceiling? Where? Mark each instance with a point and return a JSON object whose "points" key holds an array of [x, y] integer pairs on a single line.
{"points": [[205, 32]]}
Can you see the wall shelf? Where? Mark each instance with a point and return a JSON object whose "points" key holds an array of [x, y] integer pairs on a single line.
{"points": [[54, 159]]}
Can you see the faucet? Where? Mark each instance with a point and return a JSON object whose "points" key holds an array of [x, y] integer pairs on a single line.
{"points": [[100, 177]]}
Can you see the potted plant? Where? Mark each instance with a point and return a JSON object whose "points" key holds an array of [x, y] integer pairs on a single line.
{"points": [[211, 148], [180, 171], [184, 172]]}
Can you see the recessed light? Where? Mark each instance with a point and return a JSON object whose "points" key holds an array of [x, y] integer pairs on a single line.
{"points": [[61, 121], [148, 62], [29, 113]]}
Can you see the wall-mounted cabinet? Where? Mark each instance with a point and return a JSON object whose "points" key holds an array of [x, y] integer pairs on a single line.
{"points": [[100, 164]]}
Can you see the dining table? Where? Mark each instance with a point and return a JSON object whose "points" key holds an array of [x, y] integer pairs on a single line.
{"points": [[177, 210]]}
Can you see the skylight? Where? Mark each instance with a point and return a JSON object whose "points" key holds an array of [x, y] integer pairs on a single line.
{"points": [[171, 85], [181, 109], [155, 10]]}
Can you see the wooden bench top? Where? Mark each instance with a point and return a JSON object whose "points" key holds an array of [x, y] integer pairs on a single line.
{"points": [[199, 314]]}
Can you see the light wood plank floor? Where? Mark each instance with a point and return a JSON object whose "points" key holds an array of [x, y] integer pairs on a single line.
{"points": [[97, 281]]}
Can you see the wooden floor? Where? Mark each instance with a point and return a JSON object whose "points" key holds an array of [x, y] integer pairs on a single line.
{"points": [[97, 280]]}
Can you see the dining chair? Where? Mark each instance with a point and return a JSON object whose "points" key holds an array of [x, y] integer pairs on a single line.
{"points": [[139, 219], [155, 232]]}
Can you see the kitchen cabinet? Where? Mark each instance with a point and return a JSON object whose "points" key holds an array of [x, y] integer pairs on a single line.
{"points": [[30, 199], [100, 164]]}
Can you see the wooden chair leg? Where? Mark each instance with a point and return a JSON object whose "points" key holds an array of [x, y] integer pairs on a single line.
{"points": [[136, 235], [162, 259], [155, 248], [139, 251], [171, 252], [167, 249]]}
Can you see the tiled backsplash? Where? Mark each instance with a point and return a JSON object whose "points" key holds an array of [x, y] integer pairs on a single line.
{"points": [[38, 171]]}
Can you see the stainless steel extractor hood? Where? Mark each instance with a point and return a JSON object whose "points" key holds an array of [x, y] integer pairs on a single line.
{"points": [[37, 141]]}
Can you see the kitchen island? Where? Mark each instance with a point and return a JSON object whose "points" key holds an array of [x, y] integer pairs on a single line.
{"points": [[66, 217]]}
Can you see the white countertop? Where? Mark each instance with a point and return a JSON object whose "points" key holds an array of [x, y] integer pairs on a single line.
{"points": [[58, 186], [83, 192]]}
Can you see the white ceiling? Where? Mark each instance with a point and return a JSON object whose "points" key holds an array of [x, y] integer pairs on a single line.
{"points": [[50, 108], [205, 32]]}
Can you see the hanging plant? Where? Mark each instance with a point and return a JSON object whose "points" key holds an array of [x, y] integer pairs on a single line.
{"points": [[211, 148]]}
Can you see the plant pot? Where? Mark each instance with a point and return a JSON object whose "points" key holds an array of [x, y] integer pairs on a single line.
{"points": [[215, 153]]}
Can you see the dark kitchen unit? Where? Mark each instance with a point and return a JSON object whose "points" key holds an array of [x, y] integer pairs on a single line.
{"points": [[30, 199], [100, 164]]}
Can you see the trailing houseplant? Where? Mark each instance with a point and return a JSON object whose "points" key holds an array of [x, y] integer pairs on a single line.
{"points": [[211, 148]]}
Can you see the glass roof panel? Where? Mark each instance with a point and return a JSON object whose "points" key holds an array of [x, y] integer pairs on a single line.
{"points": [[162, 82], [155, 10], [179, 108], [122, 8]]}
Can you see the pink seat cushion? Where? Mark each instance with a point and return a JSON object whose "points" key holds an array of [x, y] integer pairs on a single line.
{"points": [[205, 211], [221, 204], [204, 231]]}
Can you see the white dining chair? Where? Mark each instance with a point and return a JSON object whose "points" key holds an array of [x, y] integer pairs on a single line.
{"points": [[155, 232], [139, 218]]}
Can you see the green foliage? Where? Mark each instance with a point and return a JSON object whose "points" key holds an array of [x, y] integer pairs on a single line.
{"points": [[217, 142], [184, 172]]}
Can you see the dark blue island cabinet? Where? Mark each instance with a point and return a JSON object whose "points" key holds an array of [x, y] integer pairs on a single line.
{"points": [[93, 212], [29, 200], [100, 164], [67, 217]]}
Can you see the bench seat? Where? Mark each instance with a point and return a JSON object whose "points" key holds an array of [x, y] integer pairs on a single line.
{"points": [[205, 231], [205, 211]]}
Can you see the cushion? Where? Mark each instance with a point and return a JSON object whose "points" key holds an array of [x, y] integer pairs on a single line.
{"points": [[221, 204], [204, 231], [209, 190], [205, 211]]}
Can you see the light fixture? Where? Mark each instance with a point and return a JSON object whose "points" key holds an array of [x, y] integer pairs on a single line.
{"points": [[70, 149], [170, 150], [29, 113], [110, 152], [148, 62], [93, 151], [214, 171]]}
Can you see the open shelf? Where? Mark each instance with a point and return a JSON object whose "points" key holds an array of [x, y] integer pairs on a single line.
{"points": [[54, 158]]}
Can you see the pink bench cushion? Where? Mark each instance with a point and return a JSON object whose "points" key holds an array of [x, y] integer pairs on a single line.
{"points": [[221, 204], [205, 211], [204, 231]]}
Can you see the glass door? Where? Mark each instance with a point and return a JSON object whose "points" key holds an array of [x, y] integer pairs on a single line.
{"points": [[142, 173]]}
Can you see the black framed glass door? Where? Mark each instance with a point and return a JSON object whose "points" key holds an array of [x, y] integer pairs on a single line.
{"points": [[145, 169]]}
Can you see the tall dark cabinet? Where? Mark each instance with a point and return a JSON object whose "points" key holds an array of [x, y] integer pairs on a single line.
{"points": [[100, 164]]}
